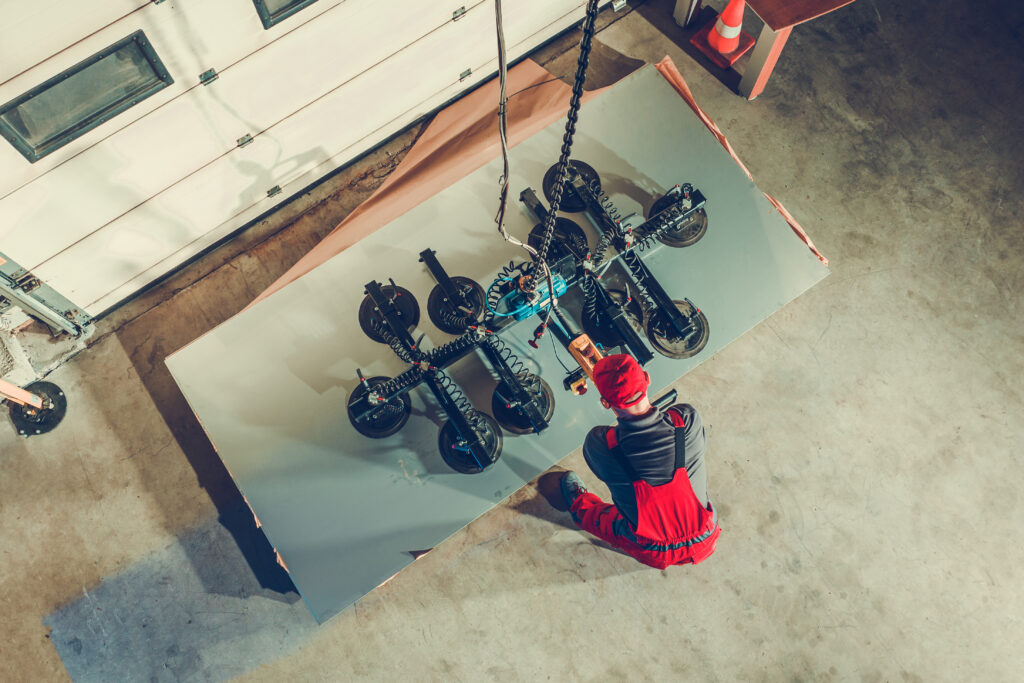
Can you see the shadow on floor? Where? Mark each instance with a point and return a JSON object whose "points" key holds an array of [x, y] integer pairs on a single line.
{"points": [[234, 515], [192, 611], [186, 312], [550, 506]]}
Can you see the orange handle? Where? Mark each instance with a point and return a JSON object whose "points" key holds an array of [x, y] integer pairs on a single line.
{"points": [[586, 353], [19, 395]]}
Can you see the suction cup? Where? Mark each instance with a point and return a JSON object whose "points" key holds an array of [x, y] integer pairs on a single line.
{"points": [[372, 322], [679, 347], [571, 202], [686, 233], [567, 239], [513, 418], [456, 453], [30, 421], [601, 331], [446, 315], [634, 311], [384, 420]]}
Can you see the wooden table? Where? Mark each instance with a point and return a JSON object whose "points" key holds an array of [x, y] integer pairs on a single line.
{"points": [[779, 17]]}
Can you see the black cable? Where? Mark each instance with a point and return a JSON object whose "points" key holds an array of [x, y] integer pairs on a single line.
{"points": [[558, 358], [503, 136], [540, 255], [530, 87], [561, 174]]}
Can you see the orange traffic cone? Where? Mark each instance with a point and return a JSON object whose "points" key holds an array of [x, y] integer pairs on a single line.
{"points": [[724, 40]]}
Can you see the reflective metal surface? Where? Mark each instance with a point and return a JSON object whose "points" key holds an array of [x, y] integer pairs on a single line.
{"points": [[271, 385]]}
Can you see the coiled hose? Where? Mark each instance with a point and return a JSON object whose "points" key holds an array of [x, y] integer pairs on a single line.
{"points": [[513, 361], [456, 320], [597, 256], [611, 212], [456, 346], [396, 384], [662, 223], [589, 289], [456, 395], [393, 341], [632, 261], [494, 293]]}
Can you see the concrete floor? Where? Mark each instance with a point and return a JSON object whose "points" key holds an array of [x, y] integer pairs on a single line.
{"points": [[863, 440]]}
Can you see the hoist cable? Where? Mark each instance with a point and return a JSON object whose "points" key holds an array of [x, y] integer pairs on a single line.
{"points": [[540, 255]]}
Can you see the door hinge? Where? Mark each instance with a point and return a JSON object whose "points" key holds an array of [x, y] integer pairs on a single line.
{"points": [[244, 140], [465, 74], [275, 190], [24, 280], [20, 287], [29, 284], [208, 77], [459, 13]]}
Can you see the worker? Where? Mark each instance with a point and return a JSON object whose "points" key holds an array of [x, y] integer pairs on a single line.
{"points": [[653, 463]]}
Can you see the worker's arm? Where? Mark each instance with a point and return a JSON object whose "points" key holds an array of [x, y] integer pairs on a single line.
{"points": [[608, 469]]}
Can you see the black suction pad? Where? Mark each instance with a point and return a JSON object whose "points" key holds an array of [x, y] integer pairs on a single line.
{"points": [[451, 317], [386, 418], [457, 454], [30, 421], [513, 418], [372, 321], [686, 233], [568, 238], [667, 341], [571, 202]]}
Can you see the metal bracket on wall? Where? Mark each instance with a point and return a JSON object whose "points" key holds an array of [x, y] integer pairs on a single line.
{"points": [[459, 13], [208, 76], [21, 288]]}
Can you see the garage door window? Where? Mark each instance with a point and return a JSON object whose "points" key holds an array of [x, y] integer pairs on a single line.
{"points": [[273, 11], [93, 91]]}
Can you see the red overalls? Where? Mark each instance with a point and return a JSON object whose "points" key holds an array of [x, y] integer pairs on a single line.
{"points": [[672, 525]]}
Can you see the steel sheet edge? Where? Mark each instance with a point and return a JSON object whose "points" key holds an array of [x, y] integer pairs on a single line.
{"points": [[270, 385]]}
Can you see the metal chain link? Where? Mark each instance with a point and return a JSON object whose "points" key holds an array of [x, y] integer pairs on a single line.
{"points": [[561, 174]]}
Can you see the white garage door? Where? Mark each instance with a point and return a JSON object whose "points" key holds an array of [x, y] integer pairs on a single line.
{"points": [[141, 133]]}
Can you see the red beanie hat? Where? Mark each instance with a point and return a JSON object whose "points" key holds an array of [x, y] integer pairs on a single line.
{"points": [[620, 378]]}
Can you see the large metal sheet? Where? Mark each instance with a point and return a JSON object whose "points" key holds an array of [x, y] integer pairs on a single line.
{"points": [[270, 385]]}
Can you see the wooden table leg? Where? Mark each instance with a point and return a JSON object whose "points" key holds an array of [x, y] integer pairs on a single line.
{"points": [[685, 11], [762, 60]]}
